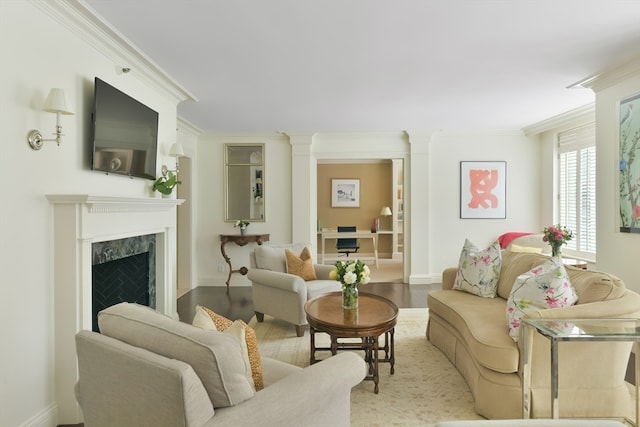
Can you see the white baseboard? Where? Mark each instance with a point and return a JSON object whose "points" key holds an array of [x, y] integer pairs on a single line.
{"points": [[424, 279], [48, 417]]}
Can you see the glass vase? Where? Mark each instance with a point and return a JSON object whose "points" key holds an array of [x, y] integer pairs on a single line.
{"points": [[556, 251], [349, 297]]}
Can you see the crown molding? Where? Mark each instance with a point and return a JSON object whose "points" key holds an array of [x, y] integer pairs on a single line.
{"points": [[87, 24], [612, 76], [586, 113]]}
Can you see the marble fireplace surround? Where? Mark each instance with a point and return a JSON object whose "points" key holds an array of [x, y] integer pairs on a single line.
{"points": [[79, 220]]}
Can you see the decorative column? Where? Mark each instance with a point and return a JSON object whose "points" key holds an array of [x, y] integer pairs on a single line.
{"points": [[417, 208], [304, 187]]}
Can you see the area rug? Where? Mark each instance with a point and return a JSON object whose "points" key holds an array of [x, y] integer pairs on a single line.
{"points": [[424, 389]]}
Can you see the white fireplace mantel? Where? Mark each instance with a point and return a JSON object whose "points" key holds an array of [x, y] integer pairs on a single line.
{"points": [[79, 220]]}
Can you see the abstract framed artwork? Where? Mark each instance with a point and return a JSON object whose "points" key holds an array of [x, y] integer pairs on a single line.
{"points": [[345, 193], [629, 164], [483, 188]]}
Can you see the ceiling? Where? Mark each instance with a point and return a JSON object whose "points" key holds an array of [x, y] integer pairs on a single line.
{"points": [[378, 65]]}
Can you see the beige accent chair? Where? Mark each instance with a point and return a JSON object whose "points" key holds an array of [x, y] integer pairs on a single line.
{"points": [[282, 295], [146, 369]]}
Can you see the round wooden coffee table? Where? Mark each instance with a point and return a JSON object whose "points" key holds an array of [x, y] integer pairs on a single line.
{"points": [[375, 316]]}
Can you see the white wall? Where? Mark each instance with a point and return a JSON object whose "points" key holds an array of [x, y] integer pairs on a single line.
{"points": [[210, 196], [38, 53], [447, 230], [435, 232], [618, 253]]}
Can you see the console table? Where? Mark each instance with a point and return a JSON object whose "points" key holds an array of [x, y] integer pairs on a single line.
{"points": [[240, 240]]}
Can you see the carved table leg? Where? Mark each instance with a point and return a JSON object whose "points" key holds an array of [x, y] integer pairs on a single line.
{"points": [[228, 260]]}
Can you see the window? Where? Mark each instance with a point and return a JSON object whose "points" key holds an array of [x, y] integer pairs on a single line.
{"points": [[577, 198]]}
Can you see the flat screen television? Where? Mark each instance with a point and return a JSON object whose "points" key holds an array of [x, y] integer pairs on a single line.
{"points": [[124, 137]]}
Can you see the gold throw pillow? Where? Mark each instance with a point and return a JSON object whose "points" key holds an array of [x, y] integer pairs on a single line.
{"points": [[302, 265], [208, 319]]}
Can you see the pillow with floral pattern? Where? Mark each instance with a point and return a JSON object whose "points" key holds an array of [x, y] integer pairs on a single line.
{"points": [[479, 270], [545, 286]]}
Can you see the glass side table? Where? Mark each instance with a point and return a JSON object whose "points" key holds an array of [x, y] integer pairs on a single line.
{"points": [[576, 330]]}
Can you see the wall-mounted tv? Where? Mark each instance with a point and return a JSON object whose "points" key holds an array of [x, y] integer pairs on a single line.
{"points": [[124, 134]]}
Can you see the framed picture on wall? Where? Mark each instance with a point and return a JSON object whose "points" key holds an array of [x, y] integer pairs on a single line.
{"points": [[345, 193], [629, 164], [483, 188]]}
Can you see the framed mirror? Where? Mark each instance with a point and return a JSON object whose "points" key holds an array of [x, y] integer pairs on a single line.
{"points": [[244, 175]]}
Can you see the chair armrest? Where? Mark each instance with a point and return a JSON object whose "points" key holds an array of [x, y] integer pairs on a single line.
{"points": [[276, 279], [448, 277], [323, 270], [315, 396]]}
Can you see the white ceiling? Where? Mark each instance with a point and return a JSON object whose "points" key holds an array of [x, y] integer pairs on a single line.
{"points": [[378, 65]]}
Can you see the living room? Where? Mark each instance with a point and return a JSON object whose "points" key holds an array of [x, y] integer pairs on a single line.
{"points": [[59, 44]]}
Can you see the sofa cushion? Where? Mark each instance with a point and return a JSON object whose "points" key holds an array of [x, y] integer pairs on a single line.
{"points": [[526, 249], [545, 286], [214, 356], [300, 265], [592, 286], [513, 265], [207, 319], [481, 325], [272, 257], [478, 269]]}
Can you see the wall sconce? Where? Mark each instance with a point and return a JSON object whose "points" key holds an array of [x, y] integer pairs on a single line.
{"points": [[176, 151], [55, 103]]}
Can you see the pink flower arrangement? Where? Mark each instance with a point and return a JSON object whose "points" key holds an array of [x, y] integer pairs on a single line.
{"points": [[556, 236]]}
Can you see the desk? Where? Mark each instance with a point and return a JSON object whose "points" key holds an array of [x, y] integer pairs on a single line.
{"points": [[359, 234], [576, 330], [240, 240]]}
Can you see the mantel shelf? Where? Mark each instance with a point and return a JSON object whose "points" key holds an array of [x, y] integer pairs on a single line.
{"points": [[109, 204]]}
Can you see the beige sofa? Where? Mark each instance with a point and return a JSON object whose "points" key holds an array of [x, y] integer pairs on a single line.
{"points": [[146, 369], [472, 332]]}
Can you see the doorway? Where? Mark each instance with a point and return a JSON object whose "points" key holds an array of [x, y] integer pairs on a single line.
{"points": [[380, 208]]}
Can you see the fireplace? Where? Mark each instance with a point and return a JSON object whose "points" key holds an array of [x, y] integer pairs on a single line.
{"points": [[123, 271], [85, 228]]}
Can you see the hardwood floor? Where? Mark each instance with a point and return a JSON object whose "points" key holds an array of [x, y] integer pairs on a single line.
{"points": [[238, 304]]}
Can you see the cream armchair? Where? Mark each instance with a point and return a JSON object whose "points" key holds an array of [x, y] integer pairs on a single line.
{"points": [[280, 294]]}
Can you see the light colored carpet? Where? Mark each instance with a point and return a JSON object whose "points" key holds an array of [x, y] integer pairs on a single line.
{"points": [[425, 388]]}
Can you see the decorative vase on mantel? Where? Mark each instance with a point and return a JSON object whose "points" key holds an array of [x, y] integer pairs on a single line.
{"points": [[349, 297], [243, 231]]}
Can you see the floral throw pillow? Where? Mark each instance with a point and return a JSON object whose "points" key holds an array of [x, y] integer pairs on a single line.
{"points": [[479, 270], [545, 286]]}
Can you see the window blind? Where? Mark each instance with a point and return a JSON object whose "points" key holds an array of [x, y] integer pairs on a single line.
{"points": [[577, 187]]}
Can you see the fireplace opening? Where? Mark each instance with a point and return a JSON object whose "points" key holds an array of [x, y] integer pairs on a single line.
{"points": [[122, 280], [122, 270]]}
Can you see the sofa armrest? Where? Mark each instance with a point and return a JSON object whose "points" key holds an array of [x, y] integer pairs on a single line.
{"points": [[113, 375], [626, 306], [323, 270], [448, 277], [278, 280], [318, 395]]}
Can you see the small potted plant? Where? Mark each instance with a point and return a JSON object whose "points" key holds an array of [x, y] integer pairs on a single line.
{"points": [[166, 183], [243, 224]]}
